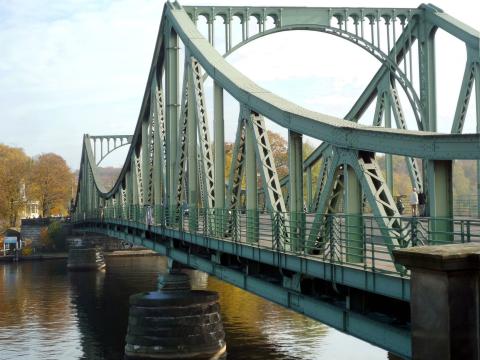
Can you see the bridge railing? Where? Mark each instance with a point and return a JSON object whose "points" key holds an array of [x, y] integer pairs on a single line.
{"points": [[353, 240]]}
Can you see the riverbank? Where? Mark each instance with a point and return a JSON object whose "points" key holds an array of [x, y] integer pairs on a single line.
{"points": [[64, 255]]}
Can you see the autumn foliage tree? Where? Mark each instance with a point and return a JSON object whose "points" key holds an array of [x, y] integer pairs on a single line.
{"points": [[51, 184], [14, 168]]}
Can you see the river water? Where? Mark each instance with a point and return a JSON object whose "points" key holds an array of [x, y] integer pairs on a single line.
{"points": [[47, 312]]}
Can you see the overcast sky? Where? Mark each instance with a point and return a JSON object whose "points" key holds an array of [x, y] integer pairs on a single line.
{"points": [[69, 67]]}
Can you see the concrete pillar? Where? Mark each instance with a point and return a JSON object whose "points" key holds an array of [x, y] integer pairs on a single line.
{"points": [[444, 300]]}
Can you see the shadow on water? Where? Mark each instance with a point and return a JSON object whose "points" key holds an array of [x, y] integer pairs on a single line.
{"points": [[47, 312], [101, 301]]}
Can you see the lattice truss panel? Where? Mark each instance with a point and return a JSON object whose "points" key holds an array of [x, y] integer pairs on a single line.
{"points": [[182, 144], [237, 167], [203, 133], [266, 162]]}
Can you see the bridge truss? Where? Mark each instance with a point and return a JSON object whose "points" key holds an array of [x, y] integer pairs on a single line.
{"points": [[173, 164]]}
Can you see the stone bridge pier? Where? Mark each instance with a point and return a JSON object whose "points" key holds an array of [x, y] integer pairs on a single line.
{"points": [[445, 300]]}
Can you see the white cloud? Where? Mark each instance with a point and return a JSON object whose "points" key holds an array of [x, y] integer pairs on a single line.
{"points": [[80, 66]]}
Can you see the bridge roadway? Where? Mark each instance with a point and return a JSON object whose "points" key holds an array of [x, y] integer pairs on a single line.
{"points": [[368, 300]]}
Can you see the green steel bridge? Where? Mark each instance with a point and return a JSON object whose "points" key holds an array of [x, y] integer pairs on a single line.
{"points": [[332, 262]]}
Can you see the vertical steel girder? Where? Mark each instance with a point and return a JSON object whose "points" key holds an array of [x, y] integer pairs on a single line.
{"points": [[159, 160], [353, 204], [219, 144], [172, 104], [182, 135], [295, 167], [441, 200], [251, 184], [139, 179], [219, 141], [124, 202], [149, 168], [426, 53], [145, 157], [204, 135], [192, 149]]}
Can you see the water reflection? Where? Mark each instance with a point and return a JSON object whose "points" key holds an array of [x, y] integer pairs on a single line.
{"points": [[49, 313], [258, 329], [35, 312], [101, 302]]}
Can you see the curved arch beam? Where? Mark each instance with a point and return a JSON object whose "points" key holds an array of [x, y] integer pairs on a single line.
{"points": [[373, 50], [118, 142], [338, 132]]}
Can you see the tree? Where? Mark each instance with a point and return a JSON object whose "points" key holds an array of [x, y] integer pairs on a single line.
{"points": [[279, 146], [14, 168], [51, 183]]}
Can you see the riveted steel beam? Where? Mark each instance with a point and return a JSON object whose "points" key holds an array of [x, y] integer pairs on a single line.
{"points": [[204, 134], [182, 135], [266, 164], [237, 166]]}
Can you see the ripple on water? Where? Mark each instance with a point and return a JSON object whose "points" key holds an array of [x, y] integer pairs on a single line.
{"points": [[49, 313]]}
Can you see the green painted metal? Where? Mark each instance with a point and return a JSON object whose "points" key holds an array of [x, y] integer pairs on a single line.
{"points": [[219, 135], [172, 110], [171, 157], [441, 200], [251, 185], [354, 220], [309, 189], [295, 162], [193, 193]]}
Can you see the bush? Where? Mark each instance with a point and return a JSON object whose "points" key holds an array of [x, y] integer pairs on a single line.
{"points": [[53, 238], [27, 251], [57, 235], [45, 240]]}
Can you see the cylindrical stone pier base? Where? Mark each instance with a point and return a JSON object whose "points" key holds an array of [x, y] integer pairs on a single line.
{"points": [[444, 300], [85, 259], [175, 322]]}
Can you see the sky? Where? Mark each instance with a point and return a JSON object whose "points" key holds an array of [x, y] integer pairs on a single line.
{"points": [[69, 67]]}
